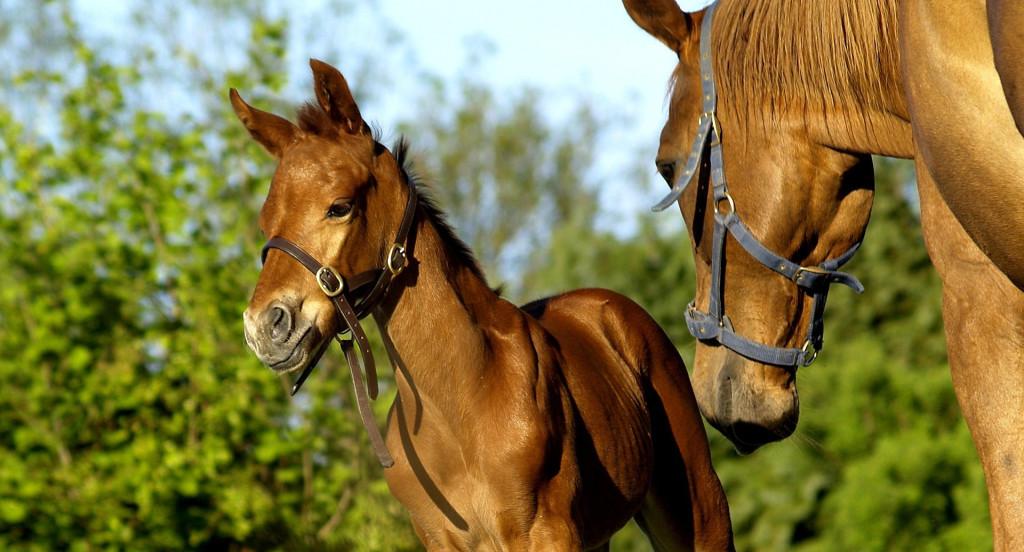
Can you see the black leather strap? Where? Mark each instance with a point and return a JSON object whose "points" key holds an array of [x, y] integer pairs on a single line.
{"points": [[363, 404]]}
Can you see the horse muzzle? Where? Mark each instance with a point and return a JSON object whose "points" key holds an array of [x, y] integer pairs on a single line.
{"points": [[750, 403], [282, 338]]}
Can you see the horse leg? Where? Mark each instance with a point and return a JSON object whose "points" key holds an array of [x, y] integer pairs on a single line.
{"points": [[685, 508], [983, 313], [963, 129], [1005, 22]]}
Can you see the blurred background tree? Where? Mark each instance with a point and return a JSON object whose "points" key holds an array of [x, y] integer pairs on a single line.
{"points": [[133, 416]]}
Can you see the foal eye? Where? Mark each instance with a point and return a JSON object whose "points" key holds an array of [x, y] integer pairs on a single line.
{"points": [[339, 209], [667, 171]]}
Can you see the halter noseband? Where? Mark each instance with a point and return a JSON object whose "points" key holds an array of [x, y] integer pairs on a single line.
{"points": [[714, 325], [354, 300]]}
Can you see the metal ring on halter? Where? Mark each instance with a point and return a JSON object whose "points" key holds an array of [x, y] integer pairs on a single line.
{"points": [[400, 250], [732, 204], [809, 348], [323, 287]]}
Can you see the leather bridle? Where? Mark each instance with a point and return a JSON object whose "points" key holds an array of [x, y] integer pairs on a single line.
{"points": [[354, 299], [714, 325]]}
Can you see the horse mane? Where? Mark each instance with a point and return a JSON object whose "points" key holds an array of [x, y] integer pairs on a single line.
{"points": [[832, 55], [437, 217]]}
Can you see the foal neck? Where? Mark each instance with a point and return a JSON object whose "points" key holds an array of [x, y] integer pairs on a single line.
{"points": [[436, 315]]}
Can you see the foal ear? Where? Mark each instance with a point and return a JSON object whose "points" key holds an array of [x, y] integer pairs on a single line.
{"points": [[335, 98], [272, 132], [663, 20]]}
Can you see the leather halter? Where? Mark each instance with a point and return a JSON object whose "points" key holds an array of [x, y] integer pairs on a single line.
{"points": [[354, 299], [714, 325]]}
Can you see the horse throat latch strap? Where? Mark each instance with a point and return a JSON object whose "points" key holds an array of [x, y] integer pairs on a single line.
{"points": [[353, 302], [714, 325]]}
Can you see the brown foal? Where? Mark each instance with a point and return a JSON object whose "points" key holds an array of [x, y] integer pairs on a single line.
{"points": [[545, 427]]}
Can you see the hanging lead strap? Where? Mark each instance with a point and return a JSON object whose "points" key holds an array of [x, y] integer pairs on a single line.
{"points": [[363, 404]]}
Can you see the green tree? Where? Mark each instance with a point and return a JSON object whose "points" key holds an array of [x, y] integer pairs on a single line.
{"points": [[507, 176], [132, 415]]}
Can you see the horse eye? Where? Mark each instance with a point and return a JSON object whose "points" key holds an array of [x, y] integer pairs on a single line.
{"points": [[339, 209], [667, 171]]}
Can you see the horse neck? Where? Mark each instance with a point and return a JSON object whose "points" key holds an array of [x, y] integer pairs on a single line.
{"points": [[435, 316], [831, 68]]}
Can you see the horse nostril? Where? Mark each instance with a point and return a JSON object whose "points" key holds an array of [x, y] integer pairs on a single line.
{"points": [[279, 320]]}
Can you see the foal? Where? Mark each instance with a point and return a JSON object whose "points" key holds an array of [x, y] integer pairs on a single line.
{"points": [[541, 428]]}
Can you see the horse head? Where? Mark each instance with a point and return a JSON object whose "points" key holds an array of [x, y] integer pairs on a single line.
{"points": [[331, 176], [795, 207]]}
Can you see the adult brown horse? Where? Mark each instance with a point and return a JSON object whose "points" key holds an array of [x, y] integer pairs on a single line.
{"points": [[541, 428], [791, 100]]}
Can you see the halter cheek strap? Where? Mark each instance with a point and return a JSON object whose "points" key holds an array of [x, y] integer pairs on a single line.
{"points": [[353, 300], [714, 325]]}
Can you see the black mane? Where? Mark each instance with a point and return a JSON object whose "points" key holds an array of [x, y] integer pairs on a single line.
{"points": [[437, 217]]}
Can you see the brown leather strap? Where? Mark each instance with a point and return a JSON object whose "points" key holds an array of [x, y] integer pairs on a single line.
{"points": [[357, 364], [348, 317], [363, 403], [341, 296], [329, 282], [396, 256]]}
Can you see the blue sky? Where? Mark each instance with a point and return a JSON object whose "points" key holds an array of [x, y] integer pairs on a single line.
{"points": [[556, 45], [563, 47], [566, 48]]}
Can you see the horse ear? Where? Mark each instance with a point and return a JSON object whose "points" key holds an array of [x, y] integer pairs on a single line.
{"points": [[335, 98], [272, 132], [663, 20]]}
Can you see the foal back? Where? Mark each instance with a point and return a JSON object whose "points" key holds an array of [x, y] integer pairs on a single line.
{"points": [[639, 439]]}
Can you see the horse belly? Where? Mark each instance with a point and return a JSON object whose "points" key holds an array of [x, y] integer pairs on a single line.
{"points": [[613, 439], [602, 339], [616, 457]]}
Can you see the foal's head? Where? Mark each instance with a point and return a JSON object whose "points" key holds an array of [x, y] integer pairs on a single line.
{"points": [[794, 185], [338, 195]]}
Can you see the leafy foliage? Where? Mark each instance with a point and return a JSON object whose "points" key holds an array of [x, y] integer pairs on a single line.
{"points": [[132, 414], [490, 155]]}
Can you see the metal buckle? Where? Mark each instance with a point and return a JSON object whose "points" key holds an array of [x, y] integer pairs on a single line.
{"points": [[812, 269], [809, 347], [400, 251], [717, 138], [323, 287]]}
